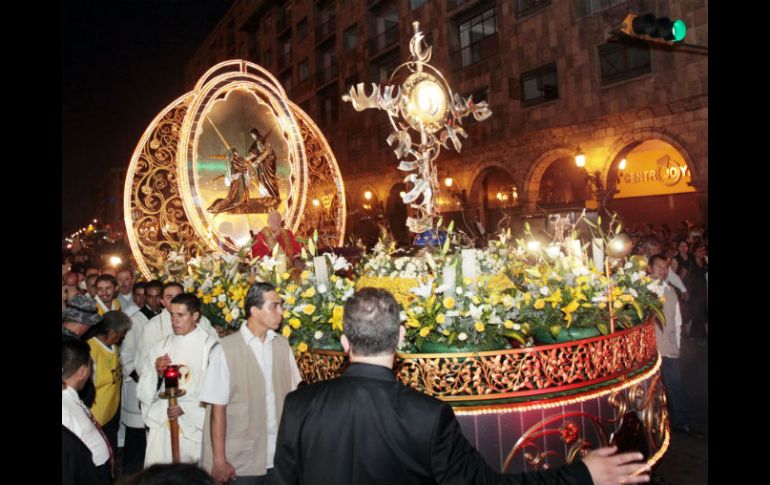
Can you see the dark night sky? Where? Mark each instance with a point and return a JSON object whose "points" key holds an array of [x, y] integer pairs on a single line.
{"points": [[123, 62]]}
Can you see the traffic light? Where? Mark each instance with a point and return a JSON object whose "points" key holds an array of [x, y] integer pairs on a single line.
{"points": [[655, 29]]}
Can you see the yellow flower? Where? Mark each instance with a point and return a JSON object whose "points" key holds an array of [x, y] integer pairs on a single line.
{"points": [[508, 324], [467, 281], [295, 323], [302, 347], [305, 275], [539, 304], [309, 293], [449, 302], [291, 300], [207, 299], [586, 305], [476, 300], [291, 287], [479, 326], [221, 304], [440, 318], [618, 304], [627, 298], [527, 298], [309, 309], [602, 305], [445, 331], [411, 322], [228, 318], [285, 276], [508, 301], [286, 331], [337, 312], [573, 306], [424, 331], [581, 279], [199, 293], [286, 314]]}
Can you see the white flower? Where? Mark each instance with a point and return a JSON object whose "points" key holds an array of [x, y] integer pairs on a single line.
{"points": [[599, 298], [633, 292], [495, 319], [636, 276], [462, 337], [348, 293], [459, 290], [411, 268], [658, 287], [268, 263], [476, 311], [545, 291], [321, 288], [402, 316], [236, 312], [423, 290], [222, 297], [400, 263], [418, 310], [580, 270], [516, 326], [452, 313], [318, 334], [442, 289]]}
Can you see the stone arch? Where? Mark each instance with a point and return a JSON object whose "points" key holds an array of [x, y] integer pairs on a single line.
{"points": [[630, 140], [475, 206], [537, 170]]}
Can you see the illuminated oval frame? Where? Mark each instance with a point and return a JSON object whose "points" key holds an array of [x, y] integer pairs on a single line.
{"points": [[218, 81], [314, 171]]}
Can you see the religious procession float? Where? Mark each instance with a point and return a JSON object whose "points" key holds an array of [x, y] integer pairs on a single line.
{"points": [[544, 349]]}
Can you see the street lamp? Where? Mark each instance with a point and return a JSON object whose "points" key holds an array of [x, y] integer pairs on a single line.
{"points": [[580, 158]]}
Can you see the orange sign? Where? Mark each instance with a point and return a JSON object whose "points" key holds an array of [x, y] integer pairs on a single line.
{"points": [[653, 172]]}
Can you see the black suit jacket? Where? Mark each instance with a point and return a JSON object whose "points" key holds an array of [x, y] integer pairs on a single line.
{"points": [[367, 428], [77, 466]]}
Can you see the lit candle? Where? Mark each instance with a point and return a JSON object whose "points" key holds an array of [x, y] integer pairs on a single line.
{"points": [[171, 377]]}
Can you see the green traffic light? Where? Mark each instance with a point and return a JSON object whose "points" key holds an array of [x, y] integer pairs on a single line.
{"points": [[680, 30]]}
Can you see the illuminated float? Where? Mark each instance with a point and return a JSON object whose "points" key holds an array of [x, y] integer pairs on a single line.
{"points": [[526, 402]]}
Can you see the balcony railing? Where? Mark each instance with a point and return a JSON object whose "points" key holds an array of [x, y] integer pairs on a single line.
{"points": [[284, 61], [383, 41], [325, 30], [325, 75], [476, 52]]}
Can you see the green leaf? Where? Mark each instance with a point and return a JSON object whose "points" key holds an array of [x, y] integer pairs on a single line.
{"points": [[445, 248], [618, 229], [555, 330], [515, 335], [450, 227], [452, 337], [315, 235], [603, 328], [599, 220], [527, 229]]}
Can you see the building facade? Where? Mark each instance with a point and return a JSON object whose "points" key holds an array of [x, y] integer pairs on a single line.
{"points": [[556, 76]]}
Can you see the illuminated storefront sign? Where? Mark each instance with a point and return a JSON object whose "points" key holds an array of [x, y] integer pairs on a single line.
{"points": [[654, 172]]}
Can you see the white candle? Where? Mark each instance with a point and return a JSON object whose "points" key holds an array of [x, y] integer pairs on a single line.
{"points": [[449, 278], [573, 248], [597, 249], [469, 264], [321, 272]]}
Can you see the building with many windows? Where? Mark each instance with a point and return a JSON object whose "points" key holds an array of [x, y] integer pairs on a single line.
{"points": [[557, 77]]}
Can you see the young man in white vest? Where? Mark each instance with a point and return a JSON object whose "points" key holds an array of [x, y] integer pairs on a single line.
{"points": [[250, 374], [187, 346]]}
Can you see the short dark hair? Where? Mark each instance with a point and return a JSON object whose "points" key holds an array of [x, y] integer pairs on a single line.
{"points": [[371, 322], [154, 284], [74, 355], [256, 296], [654, 258], [190, 301], [168, 474], [139, 286], [107, 277], [172, 283]]}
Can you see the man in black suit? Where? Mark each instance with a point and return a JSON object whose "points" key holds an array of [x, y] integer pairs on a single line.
{"points": [[367, 428]]}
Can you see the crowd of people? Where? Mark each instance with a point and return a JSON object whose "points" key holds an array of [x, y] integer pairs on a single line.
{"points": [[247, 418]]}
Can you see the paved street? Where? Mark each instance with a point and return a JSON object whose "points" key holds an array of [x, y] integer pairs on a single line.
{"points": [[686, 462]]}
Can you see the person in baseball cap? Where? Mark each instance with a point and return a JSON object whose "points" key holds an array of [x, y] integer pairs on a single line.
{"points": [[78, 316]]}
